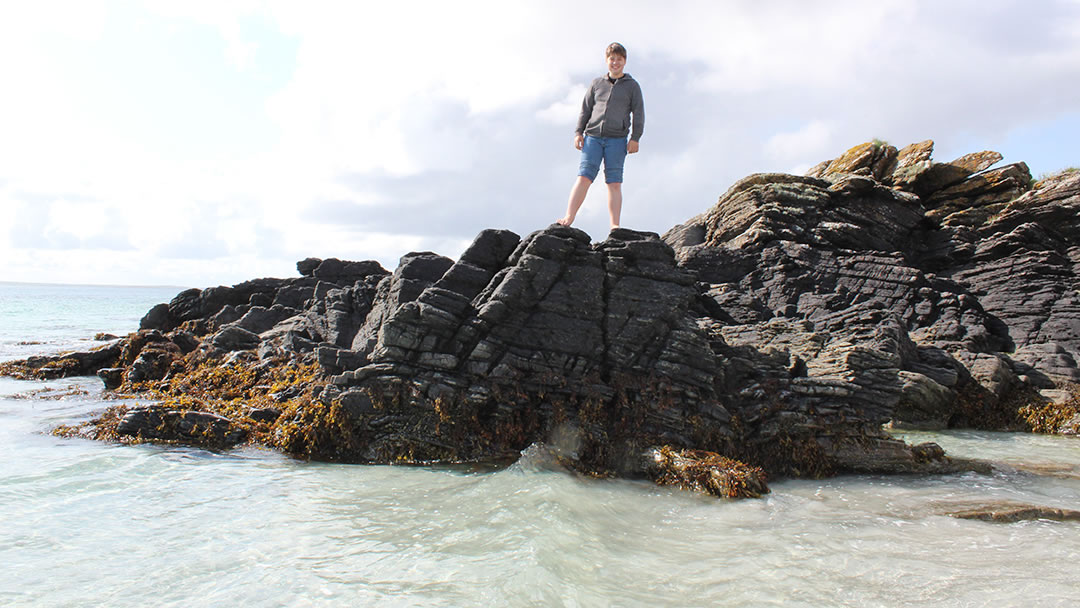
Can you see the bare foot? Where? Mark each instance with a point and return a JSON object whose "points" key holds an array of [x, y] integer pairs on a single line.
{"points": [[564, 221]]}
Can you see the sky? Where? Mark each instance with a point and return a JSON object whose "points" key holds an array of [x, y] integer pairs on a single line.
{"points": [[208, 142]]}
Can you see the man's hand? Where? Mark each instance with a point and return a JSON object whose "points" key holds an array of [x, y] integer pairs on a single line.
{"points": [[632, 147], [579, 141]]}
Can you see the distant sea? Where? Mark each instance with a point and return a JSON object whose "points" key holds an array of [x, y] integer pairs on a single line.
{"points": [[95, 524]]}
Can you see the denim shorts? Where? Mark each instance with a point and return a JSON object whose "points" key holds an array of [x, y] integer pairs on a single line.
{"points": [[612, 150]]}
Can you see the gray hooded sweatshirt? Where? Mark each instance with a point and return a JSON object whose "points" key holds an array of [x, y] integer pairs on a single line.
{"points": [[607, 107]]}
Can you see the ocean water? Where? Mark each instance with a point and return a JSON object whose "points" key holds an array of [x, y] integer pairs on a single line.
{"points": [[94, 524]]}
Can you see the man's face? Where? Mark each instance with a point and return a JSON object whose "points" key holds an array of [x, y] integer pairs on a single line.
{"points": [[615, 64]]}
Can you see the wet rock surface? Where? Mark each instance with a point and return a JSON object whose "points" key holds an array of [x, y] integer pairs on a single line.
{"points": [[1008, 512], [198, 428], [85, 363], [779, 330]]}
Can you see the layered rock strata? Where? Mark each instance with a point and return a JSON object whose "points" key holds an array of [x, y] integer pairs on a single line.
{"points": [[781, 328], [977, 269]]}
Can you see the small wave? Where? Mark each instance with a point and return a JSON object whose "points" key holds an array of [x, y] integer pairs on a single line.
{"points": [[538, 457]]}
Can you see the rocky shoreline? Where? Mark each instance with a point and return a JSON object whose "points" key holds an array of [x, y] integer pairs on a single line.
{"points": [[771, 336]]}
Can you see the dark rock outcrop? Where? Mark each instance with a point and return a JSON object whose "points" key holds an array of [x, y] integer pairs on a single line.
{"points": [[235, 338], [199, 428], [345, 273], [979, 271], [590, 342], [111, 377], [307, 266], [319, 277], [782, 328], [156, 318], [85, 363]]}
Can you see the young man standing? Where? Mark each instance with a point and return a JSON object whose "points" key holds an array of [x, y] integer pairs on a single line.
{"points": [[602, 128]]}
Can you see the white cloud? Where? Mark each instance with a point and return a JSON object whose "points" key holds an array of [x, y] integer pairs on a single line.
{"points": [[395, 126], [565, 111], [83, 20], [75, 219], [810, 140], [399, 87], [224, 16]]}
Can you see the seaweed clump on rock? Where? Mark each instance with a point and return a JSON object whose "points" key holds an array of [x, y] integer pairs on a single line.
{"points": [[773, 335], [708, 473]]}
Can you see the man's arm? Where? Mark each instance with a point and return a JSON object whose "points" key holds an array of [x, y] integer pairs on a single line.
{"points": [[637, 111], [586, 113]]}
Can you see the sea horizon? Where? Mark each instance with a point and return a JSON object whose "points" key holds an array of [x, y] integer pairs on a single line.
{"points": [[84, 284]]}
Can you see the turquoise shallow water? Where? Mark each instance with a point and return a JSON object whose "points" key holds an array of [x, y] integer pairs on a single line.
{"points": [[85, 523], [37, 318]]}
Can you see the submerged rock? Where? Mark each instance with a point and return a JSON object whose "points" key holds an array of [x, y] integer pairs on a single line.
{"points": [[1008, 512]]}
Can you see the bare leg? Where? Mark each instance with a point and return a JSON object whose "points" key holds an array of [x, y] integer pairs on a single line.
{"points": [[577, 197], [614, 203]]}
